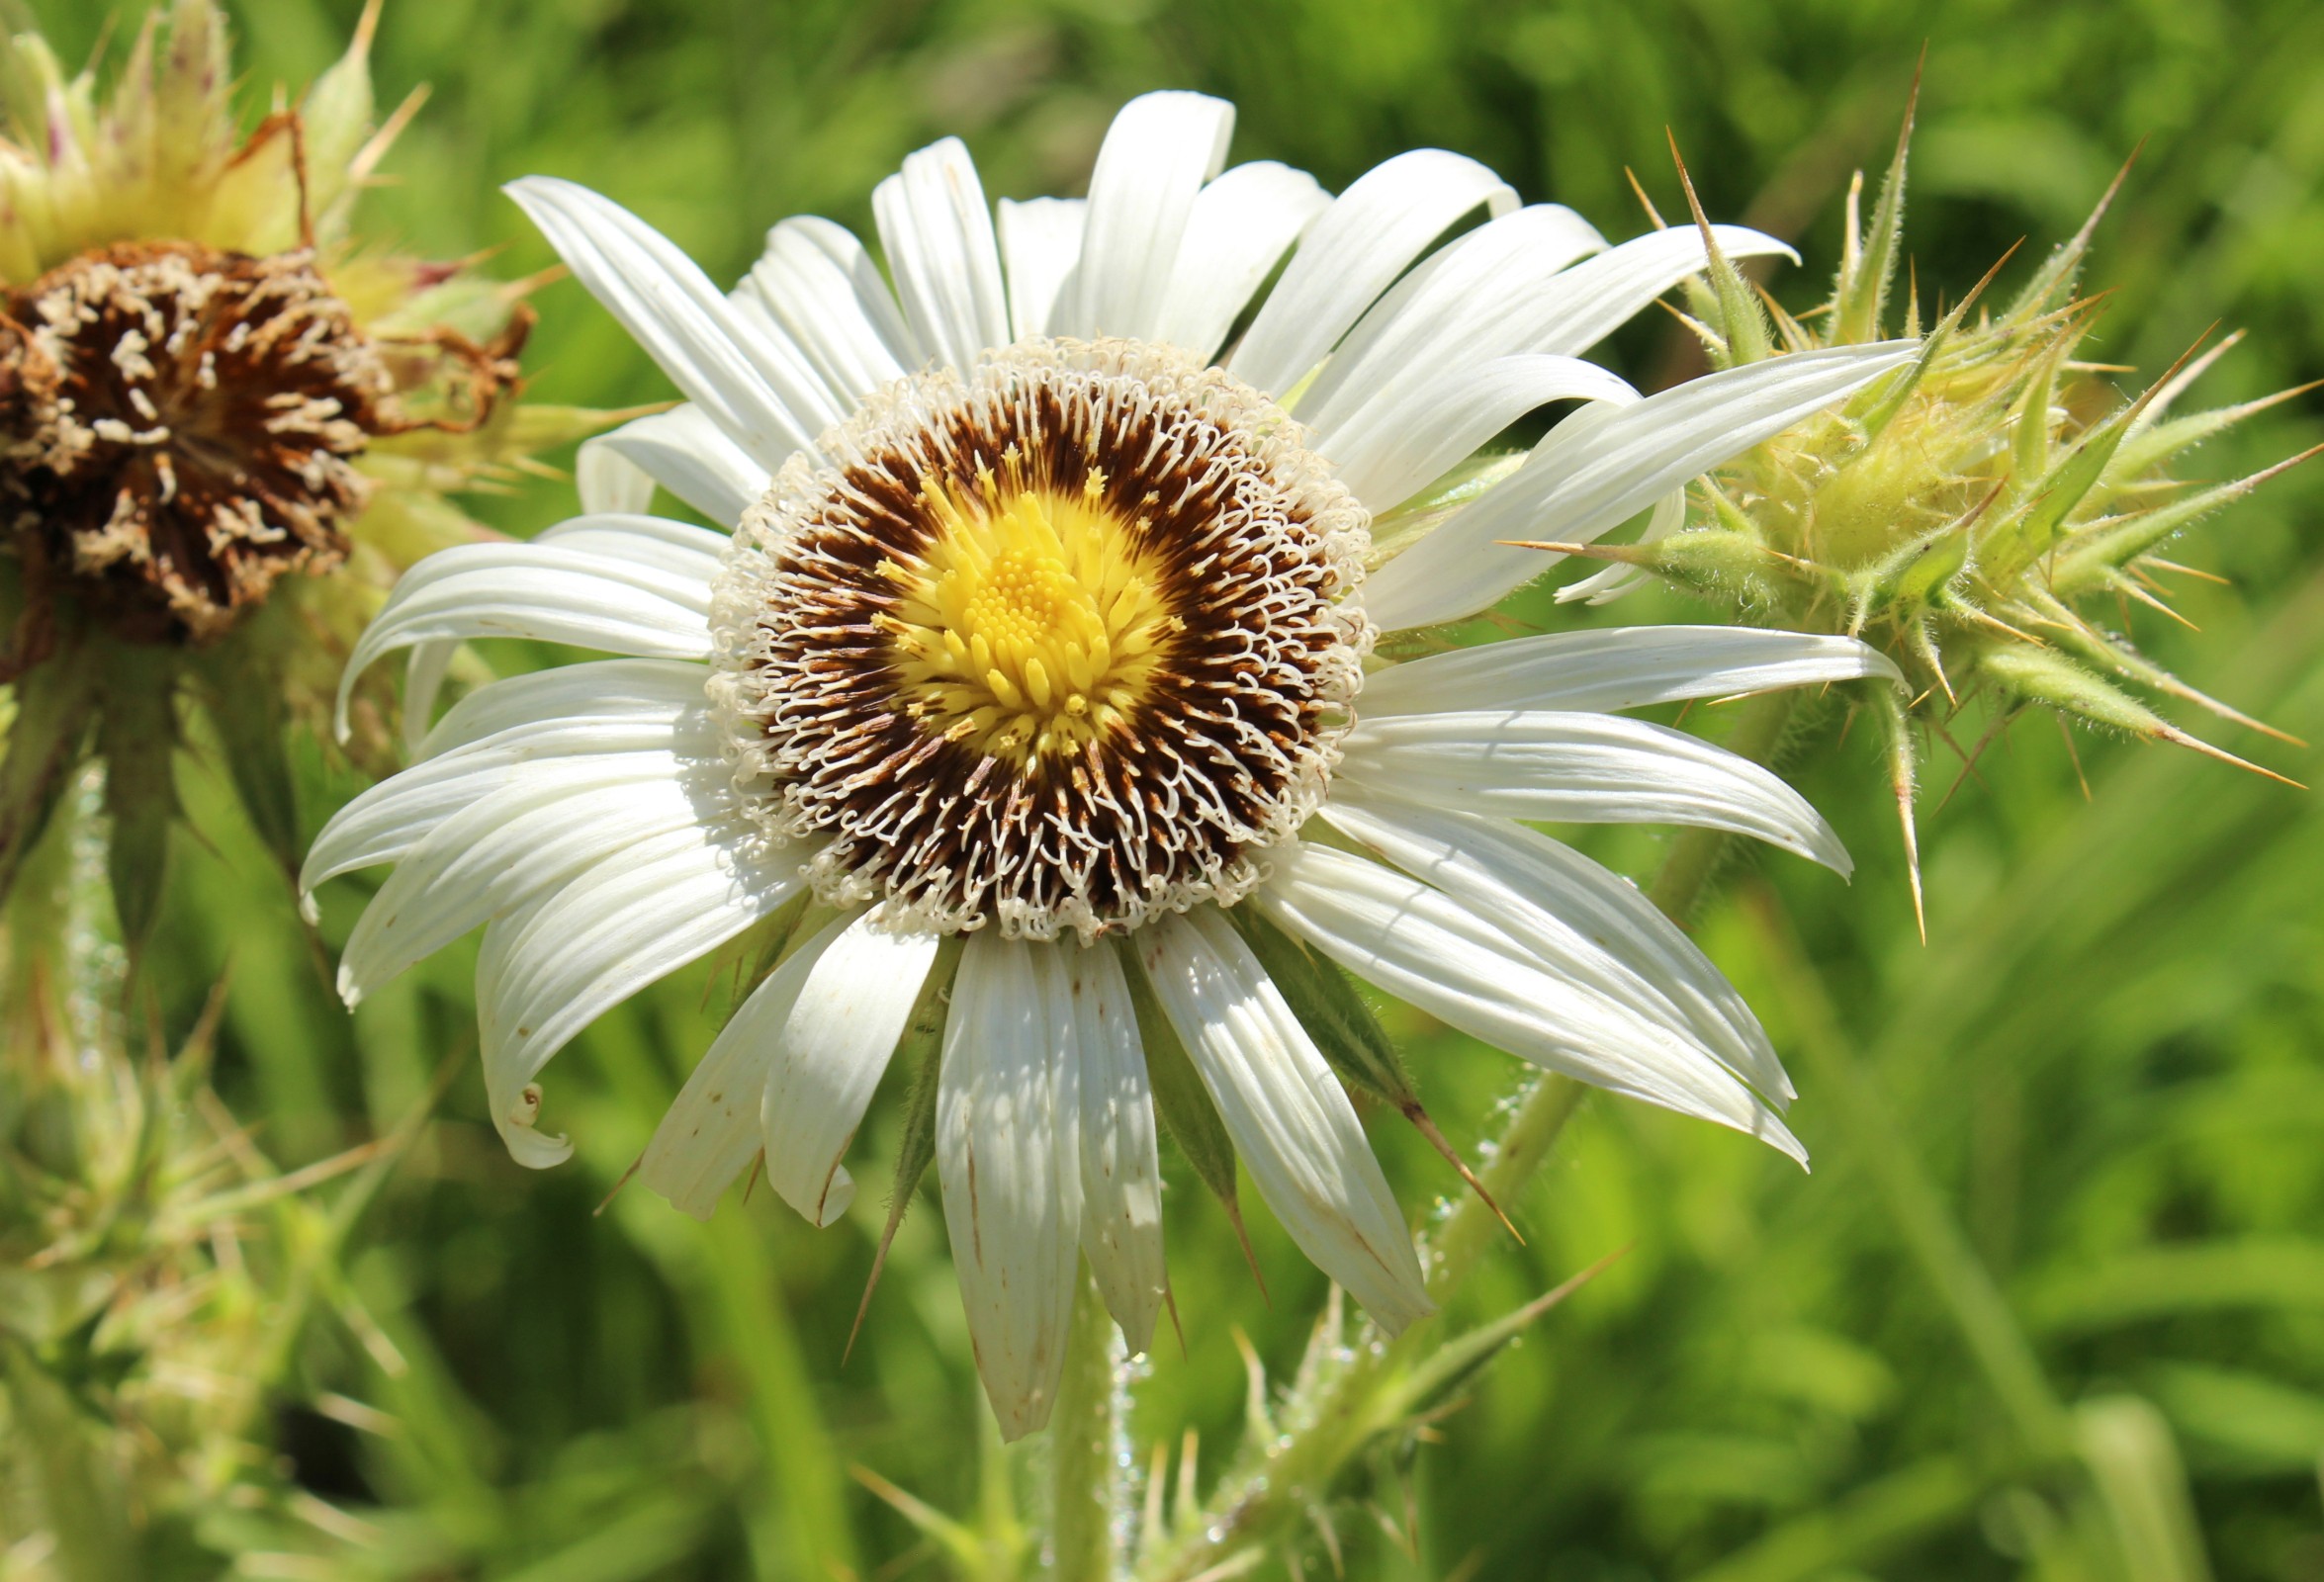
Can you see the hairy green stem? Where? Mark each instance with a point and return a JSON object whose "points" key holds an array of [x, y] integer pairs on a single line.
{"points": [[1081, 1439]]}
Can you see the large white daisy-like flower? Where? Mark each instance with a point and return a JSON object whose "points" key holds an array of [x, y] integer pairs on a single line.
{"points": [[1048, 621]]}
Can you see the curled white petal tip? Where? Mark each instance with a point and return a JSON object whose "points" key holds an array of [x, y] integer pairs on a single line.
{"points": [[514, 1115]]}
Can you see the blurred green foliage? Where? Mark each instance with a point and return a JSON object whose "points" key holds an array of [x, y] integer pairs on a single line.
{"points": [[2108, 1059]]}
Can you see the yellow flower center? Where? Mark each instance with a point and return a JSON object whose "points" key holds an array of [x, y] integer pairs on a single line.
{"points": [[1034, 622]]}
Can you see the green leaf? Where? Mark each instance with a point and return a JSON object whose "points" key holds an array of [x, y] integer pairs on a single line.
{"points": [[1180, 1103], [922, 1047], [138, 736], [46, 743], [244, 703]]}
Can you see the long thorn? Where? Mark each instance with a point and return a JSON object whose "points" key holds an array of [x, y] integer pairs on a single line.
{"points": [[1427, 1129]]}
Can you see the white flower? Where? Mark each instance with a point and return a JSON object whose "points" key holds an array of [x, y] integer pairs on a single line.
{"points": [[1041, 625]]}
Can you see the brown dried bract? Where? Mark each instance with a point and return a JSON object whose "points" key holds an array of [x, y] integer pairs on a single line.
{"points": [[180, 426]]}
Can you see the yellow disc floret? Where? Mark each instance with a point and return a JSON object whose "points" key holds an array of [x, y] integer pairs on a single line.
{"points": [[1034, 622]]}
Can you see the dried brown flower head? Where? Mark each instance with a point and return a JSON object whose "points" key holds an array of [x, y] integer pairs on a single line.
{"points": [[180, 430]]}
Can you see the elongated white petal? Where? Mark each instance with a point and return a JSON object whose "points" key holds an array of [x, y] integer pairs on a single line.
{"points": [[493, 853], [1290, 1121], [561, 959], [828, 1057], [1424, 947], [1620, 667], [423, 678], [1589, 476], [939, 236], [1121, 1163], [1355, 250], [678, 550], [597, 689], [688, 455], [1239, 230], [816, 282], [1444, 315], [382, 823], [1009, 1183], [1041, 243], [1391, 449], [1580, 307], [538, 591], [610, 481], [1578, 920], [1157, 155], [1583, 768], [752, 390], [715, 1125]]}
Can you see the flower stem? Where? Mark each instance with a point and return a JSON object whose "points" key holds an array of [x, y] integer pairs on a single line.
{"points": [[1081, 1440]]}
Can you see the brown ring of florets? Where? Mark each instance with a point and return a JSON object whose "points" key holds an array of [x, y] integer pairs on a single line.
{"points": [[180, 425], [1217, 745]]}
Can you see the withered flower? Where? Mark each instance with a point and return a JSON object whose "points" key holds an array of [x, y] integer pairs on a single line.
{"points": [[226, 425]]}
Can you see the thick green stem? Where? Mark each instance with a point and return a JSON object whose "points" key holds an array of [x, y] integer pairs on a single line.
{"points": [[1081, 1440]]}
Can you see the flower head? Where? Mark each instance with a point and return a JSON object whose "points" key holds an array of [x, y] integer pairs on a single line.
{"points": [[1034, 698], [225, 423]]}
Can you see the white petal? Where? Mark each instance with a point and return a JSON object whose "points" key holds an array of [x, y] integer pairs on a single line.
{"points": [[1239, 230], [423, 678], [1422, 945], [597, 689], [1355, 250], [829, 1056], [1391, 448], [1583, 768], [608, 481], [1602, 466], [382, 823], [820, 288], [1578, 920], [1620, 667], [714, 1127], [1120, 1162], [678, 550], [1580, 306], [688, 455], [494, 852], [752, 388], [539, 592], [1450, 311], [570, 954], [1006, 1177], [1040, 242], [939, 236], [1157, 155], [1290, 1121]]}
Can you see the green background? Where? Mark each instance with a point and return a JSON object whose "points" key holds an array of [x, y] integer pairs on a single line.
{"points": [[2106, 1056]]}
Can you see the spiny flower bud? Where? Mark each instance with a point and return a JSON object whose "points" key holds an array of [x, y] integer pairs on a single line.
{"points": [[1963, 514]]}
